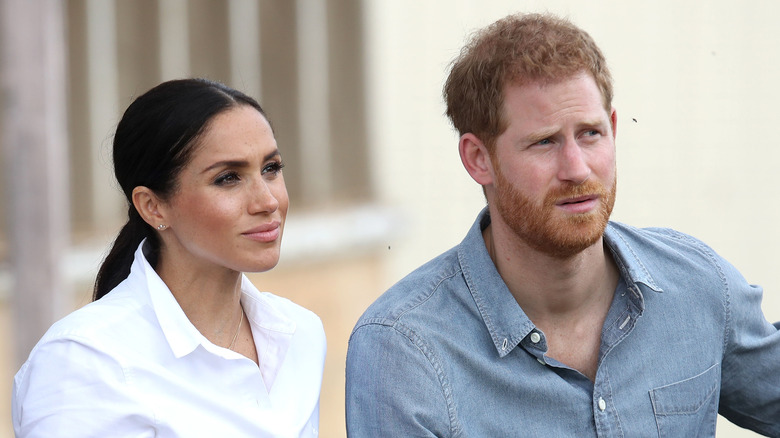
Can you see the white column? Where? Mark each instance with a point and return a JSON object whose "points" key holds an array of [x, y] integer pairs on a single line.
{"points": [[313, 100], [103, 99], [244, 28], [174, 39], [34, 138]]}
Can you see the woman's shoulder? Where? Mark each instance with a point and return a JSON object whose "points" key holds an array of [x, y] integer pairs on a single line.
{"points": [[81, 357], [99, 323], [86, 336]]}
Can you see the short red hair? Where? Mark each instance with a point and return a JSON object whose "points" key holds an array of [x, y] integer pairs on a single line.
{"points": [[516, 50]]}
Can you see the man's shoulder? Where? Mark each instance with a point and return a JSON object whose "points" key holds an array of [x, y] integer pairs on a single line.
{"points": [[653, 238], [409, 296], [663, 251]]}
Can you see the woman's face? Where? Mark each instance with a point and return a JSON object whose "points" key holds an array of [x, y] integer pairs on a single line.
{"points": [[231, 202]]}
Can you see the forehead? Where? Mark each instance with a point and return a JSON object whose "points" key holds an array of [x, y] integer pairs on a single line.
{"points": [[239, 129], [541, 100]]}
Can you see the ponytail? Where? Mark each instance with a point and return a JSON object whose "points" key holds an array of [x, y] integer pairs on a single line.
{"points": [[116, 266]]}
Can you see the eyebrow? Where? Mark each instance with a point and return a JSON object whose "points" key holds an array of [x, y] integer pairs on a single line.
{"points": [[545, 133], [240, 163], [540, 135]]}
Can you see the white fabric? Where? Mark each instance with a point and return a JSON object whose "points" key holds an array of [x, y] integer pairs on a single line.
{"points": [[132, 365]]}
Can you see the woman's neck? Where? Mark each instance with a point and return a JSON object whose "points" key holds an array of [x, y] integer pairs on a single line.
{"points": [[210, 297]]}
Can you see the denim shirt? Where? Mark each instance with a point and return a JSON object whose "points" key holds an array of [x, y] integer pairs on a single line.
{"points": [[448, 352]]}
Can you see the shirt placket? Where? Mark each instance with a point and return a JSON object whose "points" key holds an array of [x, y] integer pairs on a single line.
{"points": [[617, 326]]}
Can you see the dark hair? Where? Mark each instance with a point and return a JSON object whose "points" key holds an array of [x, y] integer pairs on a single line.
{"points": [[154, 140], [516, 50]]}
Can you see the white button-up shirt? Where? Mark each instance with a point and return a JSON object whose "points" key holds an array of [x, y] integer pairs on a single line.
{"points": [[132, 364]]}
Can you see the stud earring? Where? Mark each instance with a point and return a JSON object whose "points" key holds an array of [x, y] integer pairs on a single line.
{"points": [[161, 227]]}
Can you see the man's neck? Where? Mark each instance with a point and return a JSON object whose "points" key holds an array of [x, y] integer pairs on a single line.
{"points": [[544, 284], [566, 298]]}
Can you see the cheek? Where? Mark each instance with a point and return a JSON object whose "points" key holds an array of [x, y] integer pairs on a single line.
{"points": [[533, 180], [279, 191], [208, 212], [607, 168]]}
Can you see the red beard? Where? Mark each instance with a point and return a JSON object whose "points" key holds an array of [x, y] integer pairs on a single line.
{"points": [[545, 229]]}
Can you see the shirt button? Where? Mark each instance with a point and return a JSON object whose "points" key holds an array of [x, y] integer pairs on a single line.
{"points": [[540, 360], [535, 337], [602, 404]]}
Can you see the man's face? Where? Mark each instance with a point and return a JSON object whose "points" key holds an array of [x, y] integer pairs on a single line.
{"points": [[554, 176]]}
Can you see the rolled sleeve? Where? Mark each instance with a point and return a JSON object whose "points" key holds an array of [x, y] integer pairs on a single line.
{"points": [[750, 387]]}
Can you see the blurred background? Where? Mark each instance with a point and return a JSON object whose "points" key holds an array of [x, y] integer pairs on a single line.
{"points": [[353, 89]]}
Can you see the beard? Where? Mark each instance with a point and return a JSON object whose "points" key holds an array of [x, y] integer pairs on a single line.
{"points": [[543, 228]]}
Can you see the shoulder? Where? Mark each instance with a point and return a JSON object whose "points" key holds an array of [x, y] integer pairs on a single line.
{"points": [[103, 322], [413, 293], [96, 337], [655, 237], [81, 357], [407, 320], [663, 246], [83, 349], [678, 264]]}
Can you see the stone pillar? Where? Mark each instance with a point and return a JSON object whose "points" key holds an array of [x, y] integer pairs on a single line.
{"points": [[244, 39], [314, 95], [34, 140]]}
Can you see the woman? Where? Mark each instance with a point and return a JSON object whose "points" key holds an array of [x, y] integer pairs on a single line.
{"points": [[177, 341]]}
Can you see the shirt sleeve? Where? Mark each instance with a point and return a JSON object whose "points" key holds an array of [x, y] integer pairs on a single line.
{"points": [[750, 383], [70, 389], [394, 386]]}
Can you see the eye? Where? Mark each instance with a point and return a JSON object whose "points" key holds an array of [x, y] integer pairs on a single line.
{"points": [[543, 142], [273, 168], [227, 178], [591, 135]]}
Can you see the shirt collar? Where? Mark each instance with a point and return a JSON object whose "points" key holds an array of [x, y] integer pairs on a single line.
{"points": [[504, 318], [272, 330], [631, 267], [266, 321], [181, 335]]}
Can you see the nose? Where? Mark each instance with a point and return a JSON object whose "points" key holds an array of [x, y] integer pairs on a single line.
{"points": [[572, 166], [262, 199]]}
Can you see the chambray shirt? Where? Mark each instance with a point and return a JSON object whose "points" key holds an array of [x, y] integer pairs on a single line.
{"points": [[131, 364], [448, 352]]}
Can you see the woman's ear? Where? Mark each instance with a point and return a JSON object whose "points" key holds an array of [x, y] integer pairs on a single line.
{"points": [[476, 159], [148, 205]]}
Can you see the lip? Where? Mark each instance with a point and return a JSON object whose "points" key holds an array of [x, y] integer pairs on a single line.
{"points": [[579, 204], [264, 233]]}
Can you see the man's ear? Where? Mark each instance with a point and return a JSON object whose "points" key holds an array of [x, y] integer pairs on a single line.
{"points": [[613, 119], [476, 159], [148, 205]]}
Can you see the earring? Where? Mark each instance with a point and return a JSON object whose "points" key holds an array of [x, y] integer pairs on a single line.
{"points": [[161, 227]]}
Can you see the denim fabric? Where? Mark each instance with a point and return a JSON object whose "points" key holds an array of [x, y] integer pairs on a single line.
{"points": [[447, 351]]}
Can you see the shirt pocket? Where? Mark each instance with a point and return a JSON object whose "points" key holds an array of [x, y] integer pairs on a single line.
{"points": [[688, 408]]}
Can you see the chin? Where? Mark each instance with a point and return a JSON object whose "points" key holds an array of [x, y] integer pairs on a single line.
{"points": [[266, 264]]}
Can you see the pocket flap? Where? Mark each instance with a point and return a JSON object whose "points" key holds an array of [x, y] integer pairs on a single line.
{"points": [[686, 396]]}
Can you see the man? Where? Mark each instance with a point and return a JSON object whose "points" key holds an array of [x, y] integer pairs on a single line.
{"points": [[549, 320]]}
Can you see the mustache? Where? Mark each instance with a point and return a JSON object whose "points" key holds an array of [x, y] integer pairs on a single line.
{"points": [[570, 190]]}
